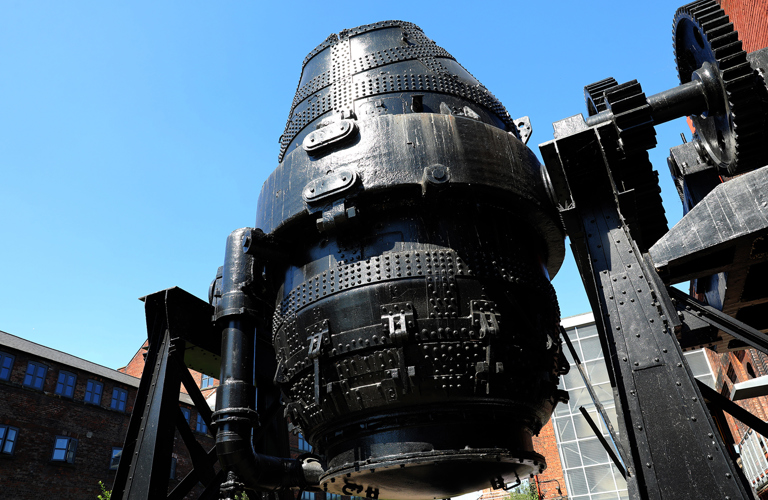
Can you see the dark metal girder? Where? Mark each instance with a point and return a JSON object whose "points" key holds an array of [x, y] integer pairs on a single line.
{"points": [[717, 400], [176, 320], [666, 425], [720, 320]]}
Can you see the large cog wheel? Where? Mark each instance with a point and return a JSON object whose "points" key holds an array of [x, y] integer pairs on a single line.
{"points": [[634, 125], [703, 34], [632, 170], [631, 116]]}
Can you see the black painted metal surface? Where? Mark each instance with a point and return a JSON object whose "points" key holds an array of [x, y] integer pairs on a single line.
{"points": [[177, 324], [675, 450], [415, 328]]}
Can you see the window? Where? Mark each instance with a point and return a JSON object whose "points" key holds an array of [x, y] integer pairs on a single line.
{"points": [[206, 382], [173, 468], [8, 439], [114, 460], [185, 411], [750, 371], [201, 427], [731, 373], [303, 444], [6, 363], [35, 375], [93, 392], [64, 449], [119, 397], [66, 384], [307, 495]]}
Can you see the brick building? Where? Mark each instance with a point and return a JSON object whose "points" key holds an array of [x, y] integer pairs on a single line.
{"points": [[63, 421], [731, 368]]}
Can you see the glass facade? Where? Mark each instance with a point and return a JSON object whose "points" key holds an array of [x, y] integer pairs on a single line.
{"points": [[589, 472], [754, 458]]}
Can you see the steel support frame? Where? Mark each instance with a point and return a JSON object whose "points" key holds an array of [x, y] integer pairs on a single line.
{"points": [[685, 304], [676, 449], [145, 465]]}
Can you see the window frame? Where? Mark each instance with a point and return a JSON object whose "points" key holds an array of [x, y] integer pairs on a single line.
{"points": [[69, 450], [206, 382], [3, 357], [119, 455], [186, 412], [200, 424], [64, 386], [34, 377], [124, 403], [307, 447], [99, 394], [4, 439]]}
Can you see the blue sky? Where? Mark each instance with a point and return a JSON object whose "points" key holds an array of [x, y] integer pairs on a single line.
{"points": [[135, 136]]}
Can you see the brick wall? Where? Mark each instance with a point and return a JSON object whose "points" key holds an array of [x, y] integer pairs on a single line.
{"points": [[750, 19], [552, 478], [738, 363], [135, 367], [40, 416]]}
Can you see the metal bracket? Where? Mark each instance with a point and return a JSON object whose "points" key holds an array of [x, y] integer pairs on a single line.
{"points": [[328, 135], [315, 342], [335, 217], [498, 483], [329, 185], [524, 128], [398, 319], [485, 317], [313, 351]]}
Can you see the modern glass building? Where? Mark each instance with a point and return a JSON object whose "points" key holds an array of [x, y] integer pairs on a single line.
{"points": [[589, 472]]}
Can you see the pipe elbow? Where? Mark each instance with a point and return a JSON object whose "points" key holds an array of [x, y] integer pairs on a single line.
{"points": [[262, 472]]}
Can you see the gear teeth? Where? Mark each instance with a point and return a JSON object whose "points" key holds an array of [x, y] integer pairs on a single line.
{"points": [[719, 44], [594, 95], [631, 116], [632, 170]]}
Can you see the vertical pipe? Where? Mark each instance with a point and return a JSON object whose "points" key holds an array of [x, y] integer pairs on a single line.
{"points": [[235, 414]]}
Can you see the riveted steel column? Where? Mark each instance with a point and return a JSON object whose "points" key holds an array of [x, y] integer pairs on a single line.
{"points": [[676, 451]]}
